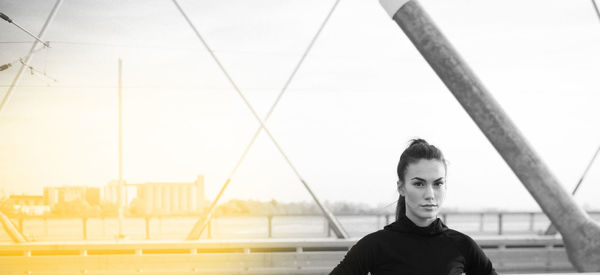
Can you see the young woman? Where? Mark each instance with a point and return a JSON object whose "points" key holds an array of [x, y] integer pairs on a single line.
{"points": [[417, 242]]}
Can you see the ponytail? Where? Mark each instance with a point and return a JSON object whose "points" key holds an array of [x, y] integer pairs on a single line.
{"points": [[401, 207]]}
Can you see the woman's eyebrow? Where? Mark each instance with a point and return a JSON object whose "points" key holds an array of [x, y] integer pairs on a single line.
{"points": [[420, 179]]}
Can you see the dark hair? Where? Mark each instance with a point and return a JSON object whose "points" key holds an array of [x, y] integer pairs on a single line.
{"points": [[417, 150]]}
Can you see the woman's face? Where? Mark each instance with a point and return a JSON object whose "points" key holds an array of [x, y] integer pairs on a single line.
{"points": [[424, 188]]}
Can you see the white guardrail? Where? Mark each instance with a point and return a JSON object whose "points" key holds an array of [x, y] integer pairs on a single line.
{"points": [[510, 254], [260, 227]]}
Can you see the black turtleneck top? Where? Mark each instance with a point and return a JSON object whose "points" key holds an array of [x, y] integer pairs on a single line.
{"points": [[405, 248]]}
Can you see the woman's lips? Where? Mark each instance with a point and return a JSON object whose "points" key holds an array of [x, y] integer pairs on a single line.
{"points": [[429, 206]]}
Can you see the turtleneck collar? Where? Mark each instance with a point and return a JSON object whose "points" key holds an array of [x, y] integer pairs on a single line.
{"points": [[405, 225]]}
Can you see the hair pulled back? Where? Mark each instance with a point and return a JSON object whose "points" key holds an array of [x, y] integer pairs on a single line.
{"points": [[417, 150]]}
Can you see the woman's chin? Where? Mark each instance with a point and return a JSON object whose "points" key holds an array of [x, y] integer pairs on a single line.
{"points": [[428, 215]]}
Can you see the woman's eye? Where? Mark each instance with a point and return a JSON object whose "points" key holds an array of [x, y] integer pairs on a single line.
{"points": [[418, 184], [439, 183]]}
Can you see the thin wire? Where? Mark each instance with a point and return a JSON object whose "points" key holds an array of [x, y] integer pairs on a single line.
{"points": [[10, 21], [551, 230], [596, 8], [372, 56], [30, 55], [15, 42], [159, 47], [587, 169], [20, 59], [31, 34], [153, 87], [384, 209], [388, 205], [32, 69]]}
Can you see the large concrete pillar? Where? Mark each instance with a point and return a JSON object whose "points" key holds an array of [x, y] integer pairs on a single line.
{"points": [[580, 234]]}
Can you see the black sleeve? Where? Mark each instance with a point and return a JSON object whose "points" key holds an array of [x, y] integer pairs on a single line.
{"points": [[359, 260], [477, 263]]}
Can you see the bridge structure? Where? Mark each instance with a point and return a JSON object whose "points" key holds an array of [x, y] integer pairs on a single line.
{"points": [[577, 250]]}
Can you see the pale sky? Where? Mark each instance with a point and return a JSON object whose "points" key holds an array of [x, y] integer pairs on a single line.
{"points": [[360, 95]]}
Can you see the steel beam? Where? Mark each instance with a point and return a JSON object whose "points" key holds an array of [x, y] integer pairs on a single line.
{"points": [[580, 234], [552, 229], [11, 230], [121, 194]]}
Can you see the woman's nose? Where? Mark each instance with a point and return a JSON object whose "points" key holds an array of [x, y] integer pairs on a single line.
{"points": [[429, 193]]}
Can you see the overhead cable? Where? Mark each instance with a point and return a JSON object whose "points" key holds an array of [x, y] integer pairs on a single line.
{"points": [[30, 55], [7, 19], [596, 8], [18, 60], [33, 70]]}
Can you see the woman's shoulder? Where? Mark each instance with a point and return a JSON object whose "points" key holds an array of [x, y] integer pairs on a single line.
{"points": [[374, 237], [465, 244], [374, 240], [460, 238], [455, 233]]}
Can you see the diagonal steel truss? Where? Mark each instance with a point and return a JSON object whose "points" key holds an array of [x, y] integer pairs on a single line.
{"points": [[203, 222]]}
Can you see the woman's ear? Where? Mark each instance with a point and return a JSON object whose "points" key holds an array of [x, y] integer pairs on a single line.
{"points": [[400, 186]]}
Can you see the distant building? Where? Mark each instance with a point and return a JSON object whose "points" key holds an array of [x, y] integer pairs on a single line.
{"points": [[111, 192], [29, 204], [164, 198], [63, 194], [92, 196]]}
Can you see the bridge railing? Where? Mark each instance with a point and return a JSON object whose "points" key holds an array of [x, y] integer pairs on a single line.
{"points": [[274, 226], [512, 254]]}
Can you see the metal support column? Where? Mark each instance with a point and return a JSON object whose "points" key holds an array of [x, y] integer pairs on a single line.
{"points": [[121, 193], [581, 235]]}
